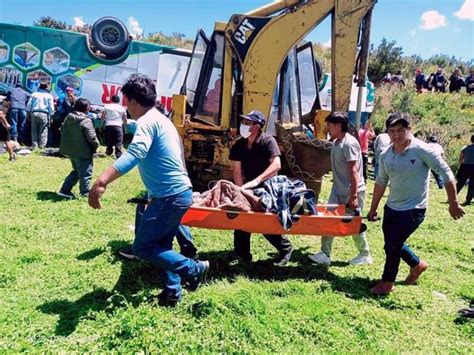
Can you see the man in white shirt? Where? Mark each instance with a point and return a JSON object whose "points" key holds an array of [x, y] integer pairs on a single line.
{"points": [[41, 108], [115, 119]]}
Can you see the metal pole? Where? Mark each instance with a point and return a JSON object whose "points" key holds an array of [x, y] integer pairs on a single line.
{"points": [[363, 65]]}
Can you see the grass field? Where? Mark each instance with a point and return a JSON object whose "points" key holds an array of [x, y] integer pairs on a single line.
{"points": [[62, 287]]}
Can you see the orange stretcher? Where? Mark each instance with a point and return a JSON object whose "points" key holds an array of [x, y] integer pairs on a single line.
{"points": [[330, 221]]}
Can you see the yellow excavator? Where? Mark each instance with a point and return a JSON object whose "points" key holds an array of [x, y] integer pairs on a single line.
{"points": [[260, 61]]}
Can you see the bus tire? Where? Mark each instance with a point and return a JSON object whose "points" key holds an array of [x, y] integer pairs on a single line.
{"points": [[110, 36]]}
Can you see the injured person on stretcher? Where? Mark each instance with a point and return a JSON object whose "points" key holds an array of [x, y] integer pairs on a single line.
{"points": [[280, 206]]}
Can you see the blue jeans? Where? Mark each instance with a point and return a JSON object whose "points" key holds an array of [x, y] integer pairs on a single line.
{"points": [[18, 123], [154, 239], [183, 236], [397, 226], [82, 170]]}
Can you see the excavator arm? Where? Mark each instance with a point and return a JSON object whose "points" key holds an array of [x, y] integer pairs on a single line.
{"points": [[262, 44]]}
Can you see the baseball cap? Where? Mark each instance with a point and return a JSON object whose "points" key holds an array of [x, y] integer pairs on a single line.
{"points": [[396, 118], [69, 89], [255, 116]]}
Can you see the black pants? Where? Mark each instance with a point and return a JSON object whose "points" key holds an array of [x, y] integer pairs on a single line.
{"points": [[397, 226], [465, 172], [242, 243], [365, 161], [114, 138]]}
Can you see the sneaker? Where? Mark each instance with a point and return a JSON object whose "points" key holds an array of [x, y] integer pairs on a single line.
{"points": [[383, 288], [320, 258], [361, 260], [283, 258], [415, 272], [66, 194], [195, 282], [168, 300], [466, 203], [12, 158], [127, 253]]}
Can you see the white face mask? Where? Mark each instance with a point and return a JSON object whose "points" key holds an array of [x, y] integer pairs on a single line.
{"points": [[245, 131]]}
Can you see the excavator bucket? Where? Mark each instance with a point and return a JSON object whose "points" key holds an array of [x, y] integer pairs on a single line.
{"points": [[308, 159]]}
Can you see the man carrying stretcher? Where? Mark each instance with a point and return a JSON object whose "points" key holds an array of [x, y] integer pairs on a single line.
{"points": [[255, 158]]}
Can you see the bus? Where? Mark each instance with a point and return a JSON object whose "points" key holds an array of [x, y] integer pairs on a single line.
{"points": [[32, 55]]}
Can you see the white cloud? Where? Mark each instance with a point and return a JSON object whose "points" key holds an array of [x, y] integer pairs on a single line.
{"points": [[134, 27], [431, 20], [435, 50], [78, 22], [327, 44], [466, 12]]}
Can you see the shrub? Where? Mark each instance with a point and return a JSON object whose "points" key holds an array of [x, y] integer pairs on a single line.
{"points": [[448, 116]]}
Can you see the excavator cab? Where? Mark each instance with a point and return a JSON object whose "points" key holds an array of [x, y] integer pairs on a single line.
{"points": [[295, 100]]}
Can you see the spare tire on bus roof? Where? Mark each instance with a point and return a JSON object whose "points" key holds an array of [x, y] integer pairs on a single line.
{"points": [[110, 36]]}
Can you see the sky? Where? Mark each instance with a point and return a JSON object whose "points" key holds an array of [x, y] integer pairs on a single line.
{"points": [[423, 27]]}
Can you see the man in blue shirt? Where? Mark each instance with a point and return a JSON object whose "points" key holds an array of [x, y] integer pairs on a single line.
{"points": [[157, 150], [18, 99]]}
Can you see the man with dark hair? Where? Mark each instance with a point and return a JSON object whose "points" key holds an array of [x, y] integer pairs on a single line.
{"points": [[18, 99], [41, 107], [79, 142], [157, 150], [115, 120], [439, 81], [466, 171], [456, 81], [348, 187], [406, 164], [419, 80], [65, 103], [255, 158], [469, 82]]}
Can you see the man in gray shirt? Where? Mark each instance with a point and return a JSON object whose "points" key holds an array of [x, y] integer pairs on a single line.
{"points": [[406, 163], [348, 185]]}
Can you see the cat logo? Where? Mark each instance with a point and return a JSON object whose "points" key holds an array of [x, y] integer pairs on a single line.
{"points": [[244, 31]]}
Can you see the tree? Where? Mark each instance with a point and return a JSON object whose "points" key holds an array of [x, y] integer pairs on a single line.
{"points": [[386, 58], [175, 40], [48, 21]]}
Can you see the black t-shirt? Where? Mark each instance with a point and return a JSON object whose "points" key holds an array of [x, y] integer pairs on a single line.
{"points": [[256, 159]]}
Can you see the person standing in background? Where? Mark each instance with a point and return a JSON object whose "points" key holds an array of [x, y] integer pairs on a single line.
{"points": [[456, 81], [41, 107], [439, 81], [115, 117], [18, 99], [433, 144], [466, 171], [366, 134]]}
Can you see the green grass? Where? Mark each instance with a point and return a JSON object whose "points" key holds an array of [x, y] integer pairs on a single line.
{"points": [[62, 288]]}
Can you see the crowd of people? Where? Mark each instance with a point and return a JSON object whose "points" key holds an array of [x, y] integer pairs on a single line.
{"points": [[402, 163], [438, 82], [35, 121]]}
